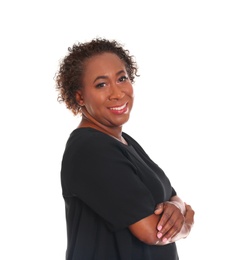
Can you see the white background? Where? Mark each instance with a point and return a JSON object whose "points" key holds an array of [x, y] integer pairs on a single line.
{"points": [[187, 113]]}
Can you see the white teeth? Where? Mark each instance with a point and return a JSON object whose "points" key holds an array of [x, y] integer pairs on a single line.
{"points": [[118, 108]]}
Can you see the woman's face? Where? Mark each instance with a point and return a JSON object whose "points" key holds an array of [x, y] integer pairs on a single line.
{"points": [[107, 93]]}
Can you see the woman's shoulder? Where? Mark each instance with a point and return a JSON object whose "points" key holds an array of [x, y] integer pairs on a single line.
{"points": [[131, 141], [90, 138], [134, 144], [89, 142], [86, 135], [84, 132]]}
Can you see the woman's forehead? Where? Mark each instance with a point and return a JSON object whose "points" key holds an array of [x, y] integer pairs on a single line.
{"points": [[104, 63]]}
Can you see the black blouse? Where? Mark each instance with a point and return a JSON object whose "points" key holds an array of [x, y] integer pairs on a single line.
{"points": [[108, 186]]}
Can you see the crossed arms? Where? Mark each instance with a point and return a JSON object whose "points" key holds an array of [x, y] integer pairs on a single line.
{"points": [[171, 221]]}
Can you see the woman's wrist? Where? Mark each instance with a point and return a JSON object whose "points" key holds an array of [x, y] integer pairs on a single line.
{"points": [[179, 205]]}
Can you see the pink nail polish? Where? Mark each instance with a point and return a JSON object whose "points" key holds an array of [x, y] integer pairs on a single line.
{"points": [[159, 235], [159, 228]]}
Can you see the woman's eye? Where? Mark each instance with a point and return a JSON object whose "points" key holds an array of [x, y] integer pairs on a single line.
{"points": [[100, 85], [123, 78]]}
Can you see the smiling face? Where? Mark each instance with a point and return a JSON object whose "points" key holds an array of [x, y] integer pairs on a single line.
{"points": [[107, 94]]}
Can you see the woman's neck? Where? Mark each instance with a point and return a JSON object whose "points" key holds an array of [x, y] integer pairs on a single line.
{"points": [[115, 132]]}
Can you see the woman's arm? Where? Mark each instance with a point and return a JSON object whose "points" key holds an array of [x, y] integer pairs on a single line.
{"points": [[167, 235], [146, 229], [171, 221]]}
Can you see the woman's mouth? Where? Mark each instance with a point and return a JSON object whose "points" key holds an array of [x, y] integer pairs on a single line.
{"points": [[119, 110]]}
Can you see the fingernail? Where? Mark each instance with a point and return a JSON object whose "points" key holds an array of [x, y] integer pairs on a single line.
{"points": [[159, 228], [159, 235], [164, 239]]}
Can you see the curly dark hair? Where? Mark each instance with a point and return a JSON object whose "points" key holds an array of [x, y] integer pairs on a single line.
{"points": [[69, 76]]}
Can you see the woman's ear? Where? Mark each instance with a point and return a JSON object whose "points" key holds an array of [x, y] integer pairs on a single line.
{"points": [[79, 98]]}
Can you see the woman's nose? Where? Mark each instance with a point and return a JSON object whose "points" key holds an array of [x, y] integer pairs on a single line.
{"points": [[116, 92]]}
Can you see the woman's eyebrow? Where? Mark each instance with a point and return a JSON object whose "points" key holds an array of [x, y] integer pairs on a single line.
{"points": [[105, 77]]}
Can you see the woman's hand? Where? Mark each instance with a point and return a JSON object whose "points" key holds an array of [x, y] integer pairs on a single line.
{"points": [[165, 224], [170, 223], [173, 225]]}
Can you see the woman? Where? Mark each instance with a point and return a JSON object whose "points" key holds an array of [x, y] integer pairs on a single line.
{"points": [[119, 203]]}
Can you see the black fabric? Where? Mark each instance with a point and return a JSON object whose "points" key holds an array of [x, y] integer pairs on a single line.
{"points": [[108, 186]]}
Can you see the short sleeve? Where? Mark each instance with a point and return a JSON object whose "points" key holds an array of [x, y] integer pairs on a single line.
{"points": [[101, 176]]}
